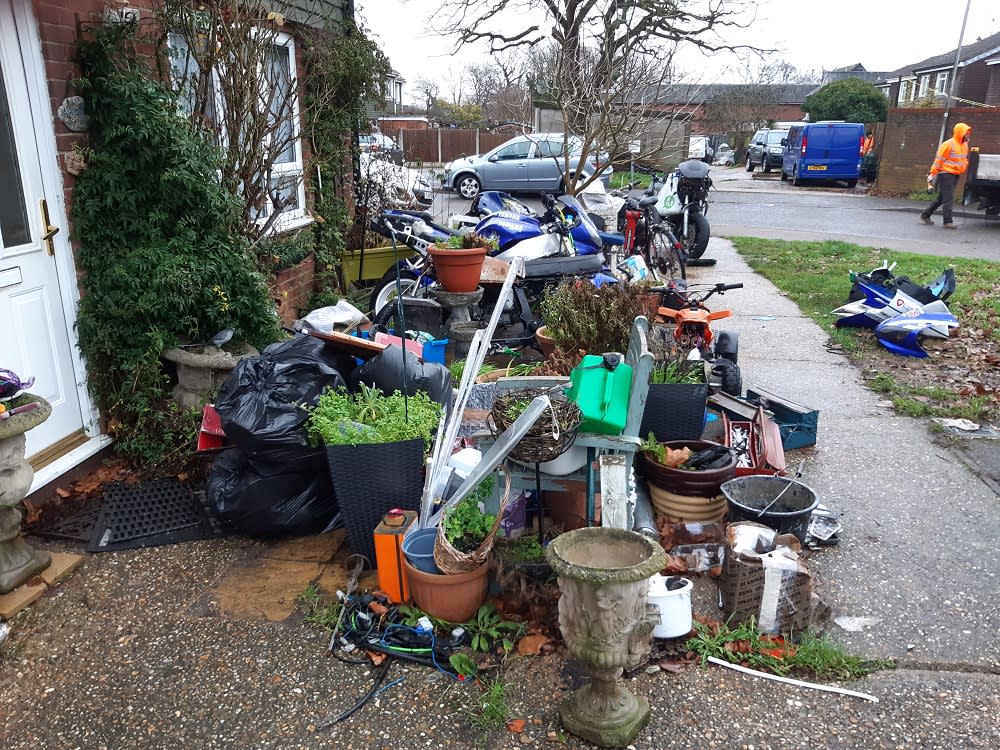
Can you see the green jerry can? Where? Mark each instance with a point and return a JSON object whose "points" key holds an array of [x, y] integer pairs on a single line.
{"points": [[600, 386]]}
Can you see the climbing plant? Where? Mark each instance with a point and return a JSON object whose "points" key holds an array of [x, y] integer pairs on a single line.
{"points": [[160, 245]]}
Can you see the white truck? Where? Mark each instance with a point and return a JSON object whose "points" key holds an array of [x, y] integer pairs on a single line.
{"points": [[982, 183], [700, 148]]}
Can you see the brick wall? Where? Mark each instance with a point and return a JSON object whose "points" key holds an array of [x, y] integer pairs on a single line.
{"points": [[911, 140], [292, 288]]}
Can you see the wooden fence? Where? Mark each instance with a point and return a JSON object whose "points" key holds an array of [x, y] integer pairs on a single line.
{"points": [[438, 145]]}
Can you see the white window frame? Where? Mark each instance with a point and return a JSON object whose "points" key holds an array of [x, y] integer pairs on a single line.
{"points": [[925, 83], [941, 83], [290, 218]]}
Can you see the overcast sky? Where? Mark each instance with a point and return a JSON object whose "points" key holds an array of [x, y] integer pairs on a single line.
{"points": [[882, 35]]}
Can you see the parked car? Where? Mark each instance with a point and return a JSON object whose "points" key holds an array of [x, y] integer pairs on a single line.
{"points": [[527, 163], [825, 150], [724, 156], [766, 149], [379, 143]]}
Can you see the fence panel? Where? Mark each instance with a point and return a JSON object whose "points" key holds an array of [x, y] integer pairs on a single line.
{"points": [[445, 144]]}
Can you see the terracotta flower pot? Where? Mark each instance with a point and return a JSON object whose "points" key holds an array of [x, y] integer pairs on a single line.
{"points": [[454, 598], [546, 342], [458, 270]]}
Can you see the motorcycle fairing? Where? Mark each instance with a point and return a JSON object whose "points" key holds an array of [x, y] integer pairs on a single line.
{"points": [[903, 334]]}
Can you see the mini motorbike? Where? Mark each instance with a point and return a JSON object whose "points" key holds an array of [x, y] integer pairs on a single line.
{"points": [[692, 333], [682, 200]]}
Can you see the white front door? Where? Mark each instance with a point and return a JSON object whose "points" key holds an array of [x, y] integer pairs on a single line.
{"points": [[35, 304]]}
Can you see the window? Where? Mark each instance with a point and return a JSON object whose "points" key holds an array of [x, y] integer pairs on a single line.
{"points": [[549, 149], [941, 84], [517, 150], [925, 82], [280, 108]]}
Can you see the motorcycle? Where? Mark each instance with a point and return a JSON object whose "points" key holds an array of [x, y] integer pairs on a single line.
{"points": [[685, 306], [682, 200], [901, 320], [560, 242]]}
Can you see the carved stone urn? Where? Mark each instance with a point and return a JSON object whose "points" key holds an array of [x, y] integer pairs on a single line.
{"points": [[604, 576], [202, 369], [18, 561]]}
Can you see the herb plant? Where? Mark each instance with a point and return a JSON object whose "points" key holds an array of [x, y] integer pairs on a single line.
{"points": [[465, 525], [579, 315], [470, 240], [341, 418], [677, 370]]}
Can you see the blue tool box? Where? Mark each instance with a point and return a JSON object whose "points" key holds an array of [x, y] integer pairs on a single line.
{"points": [[797, 423]]}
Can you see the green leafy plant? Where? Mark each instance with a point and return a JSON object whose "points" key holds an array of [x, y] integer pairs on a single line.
{"points": [[488, 627], [368, 416], [490, 712], [579, 315], [466, 525], [678, 370], [463, 665], [524, 549], [316, 610], [458, 370], [653, 447], [470, 240]]}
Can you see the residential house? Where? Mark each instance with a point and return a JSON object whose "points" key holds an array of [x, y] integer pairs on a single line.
{"points": [[927, 83], [852, 71], [41, 123]]}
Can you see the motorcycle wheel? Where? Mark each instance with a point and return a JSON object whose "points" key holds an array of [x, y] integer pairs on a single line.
{"points": [[385, 291], [665, 260], [695, 242]]}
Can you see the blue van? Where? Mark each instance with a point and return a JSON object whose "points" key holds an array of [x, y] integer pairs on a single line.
{"points": [[825, 150]]}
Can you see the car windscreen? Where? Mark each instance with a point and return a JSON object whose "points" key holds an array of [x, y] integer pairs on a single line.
{"points": [[774, 137]]}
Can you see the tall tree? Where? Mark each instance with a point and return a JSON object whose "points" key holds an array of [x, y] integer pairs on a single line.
{"points": [[428, 91]]}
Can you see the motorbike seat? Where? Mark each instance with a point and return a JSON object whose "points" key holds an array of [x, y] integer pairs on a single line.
{"points": [[564, 265], [649, 200]]}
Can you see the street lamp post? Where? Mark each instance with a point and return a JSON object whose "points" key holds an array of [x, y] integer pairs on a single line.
{"points": [[954, 73]]}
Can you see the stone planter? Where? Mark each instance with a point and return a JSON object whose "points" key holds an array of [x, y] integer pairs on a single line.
{"points": [[202, 369], [18, 561], [604, 578]]}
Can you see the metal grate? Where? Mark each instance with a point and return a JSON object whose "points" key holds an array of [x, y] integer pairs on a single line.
{"points": [[163, 511]]}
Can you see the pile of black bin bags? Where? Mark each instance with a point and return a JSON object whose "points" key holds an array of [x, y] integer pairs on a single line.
{"points": [[271, 482]]}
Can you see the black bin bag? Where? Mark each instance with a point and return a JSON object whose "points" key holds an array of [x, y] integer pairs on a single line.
{"points": [[279, 492], [260, 404], [385, 372]]}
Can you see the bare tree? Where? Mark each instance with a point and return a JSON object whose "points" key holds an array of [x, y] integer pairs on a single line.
{"points": [[428, 91]]}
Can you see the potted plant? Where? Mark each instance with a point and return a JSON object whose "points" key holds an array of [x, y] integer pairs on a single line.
{"points": [[684, 477], [375, 448], [583, 319], [459, 261], [676, 400]]}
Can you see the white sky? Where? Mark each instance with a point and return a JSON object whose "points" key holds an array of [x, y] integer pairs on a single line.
{"points": [[882, 35]]}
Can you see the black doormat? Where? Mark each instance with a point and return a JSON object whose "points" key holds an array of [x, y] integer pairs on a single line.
{"points": [[75, 528], [150, 514]]}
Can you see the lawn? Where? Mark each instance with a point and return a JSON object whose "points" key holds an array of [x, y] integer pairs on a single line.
{"points": [[960, 378]]}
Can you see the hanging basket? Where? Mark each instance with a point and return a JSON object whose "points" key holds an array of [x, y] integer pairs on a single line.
{"points": [[549, 437], [452, 561]]}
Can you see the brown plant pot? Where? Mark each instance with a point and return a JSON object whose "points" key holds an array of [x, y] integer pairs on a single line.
{"points": [[454, 598], [458, 270], [683, 482], [547, 343], [678, 508]]}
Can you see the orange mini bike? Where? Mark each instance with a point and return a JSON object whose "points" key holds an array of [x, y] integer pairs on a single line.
{"points": [[685, 306]]}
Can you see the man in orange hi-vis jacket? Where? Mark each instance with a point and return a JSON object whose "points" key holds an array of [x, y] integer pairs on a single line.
{"points": [[951, 162]]}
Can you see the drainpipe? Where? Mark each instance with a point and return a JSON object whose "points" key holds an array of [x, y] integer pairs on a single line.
{"points": [[954, 74]]}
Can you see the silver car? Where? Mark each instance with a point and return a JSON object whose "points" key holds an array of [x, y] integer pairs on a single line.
{"points": [[527, 163]]}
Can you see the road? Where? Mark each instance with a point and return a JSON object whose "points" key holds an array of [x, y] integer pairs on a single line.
{"points": [[757, 205]]}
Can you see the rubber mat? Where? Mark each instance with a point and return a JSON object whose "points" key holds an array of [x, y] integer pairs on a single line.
{"points": [[77, 528], [150, 514]]}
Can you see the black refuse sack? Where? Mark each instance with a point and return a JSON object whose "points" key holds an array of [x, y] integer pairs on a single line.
{"points": [[385, 372], [260, 404], [280, 492]]}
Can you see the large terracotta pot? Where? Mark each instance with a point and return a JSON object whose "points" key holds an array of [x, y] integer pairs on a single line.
{"points": [[458, 270], [454, 598]]}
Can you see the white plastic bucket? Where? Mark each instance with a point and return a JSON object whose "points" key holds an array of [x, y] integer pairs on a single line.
{"points": [[670, 608]]}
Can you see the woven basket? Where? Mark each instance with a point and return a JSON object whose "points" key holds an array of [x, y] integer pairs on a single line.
{"points": [[549, 437], [452, 561]]}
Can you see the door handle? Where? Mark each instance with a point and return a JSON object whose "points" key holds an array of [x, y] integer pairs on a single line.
{"points": [[48, 231]]}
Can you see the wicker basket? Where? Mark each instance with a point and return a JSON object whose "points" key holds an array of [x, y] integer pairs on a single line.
{"points": [[550, 436], [451, 560]]}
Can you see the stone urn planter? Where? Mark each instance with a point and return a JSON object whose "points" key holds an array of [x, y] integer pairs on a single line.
{"points": [[18, 561], [604, 576], [202, 369]]}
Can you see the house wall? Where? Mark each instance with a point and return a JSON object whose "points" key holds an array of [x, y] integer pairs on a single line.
{"points": [[292, 288], [911, 140]]}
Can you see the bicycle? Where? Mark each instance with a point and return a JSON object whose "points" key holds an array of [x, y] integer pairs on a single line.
{"points": [[646, 234]]}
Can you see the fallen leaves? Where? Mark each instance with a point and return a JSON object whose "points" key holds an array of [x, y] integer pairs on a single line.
{"points": [[533, 644]]}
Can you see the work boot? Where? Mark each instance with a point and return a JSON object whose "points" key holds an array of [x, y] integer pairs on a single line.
{"points": [[948, 226], [926, 219]]}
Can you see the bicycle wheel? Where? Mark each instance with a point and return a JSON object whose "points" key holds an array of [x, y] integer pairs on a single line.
{"points": [[664, 259]]}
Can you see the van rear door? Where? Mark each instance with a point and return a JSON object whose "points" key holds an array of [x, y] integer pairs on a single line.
{"points": [[833, 150]]}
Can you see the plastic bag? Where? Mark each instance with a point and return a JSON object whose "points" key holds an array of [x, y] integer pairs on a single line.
{"points": [[385, 372], [286, 491], [261, 403]]}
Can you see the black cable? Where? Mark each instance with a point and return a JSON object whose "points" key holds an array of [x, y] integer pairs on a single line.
{"points": [[379, 678]]}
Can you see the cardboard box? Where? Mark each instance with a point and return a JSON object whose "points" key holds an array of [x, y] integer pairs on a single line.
{"points": [[389, 553]]}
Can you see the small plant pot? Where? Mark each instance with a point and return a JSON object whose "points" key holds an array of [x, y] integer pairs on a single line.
{"points": [[545, 342], [458, 270], [454, 598]]}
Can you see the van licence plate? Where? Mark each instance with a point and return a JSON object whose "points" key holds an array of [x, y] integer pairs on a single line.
{"points": [[816, 167]]}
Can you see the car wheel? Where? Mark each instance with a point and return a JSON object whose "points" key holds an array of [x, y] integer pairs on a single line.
{"points": [[385, 290], [852, 183], [784, 176], [468, 186], [764, 166], [795, 177], [749, 164]]}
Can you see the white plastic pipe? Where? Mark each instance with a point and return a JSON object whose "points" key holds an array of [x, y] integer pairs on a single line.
{"points": [[790, 681]]}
